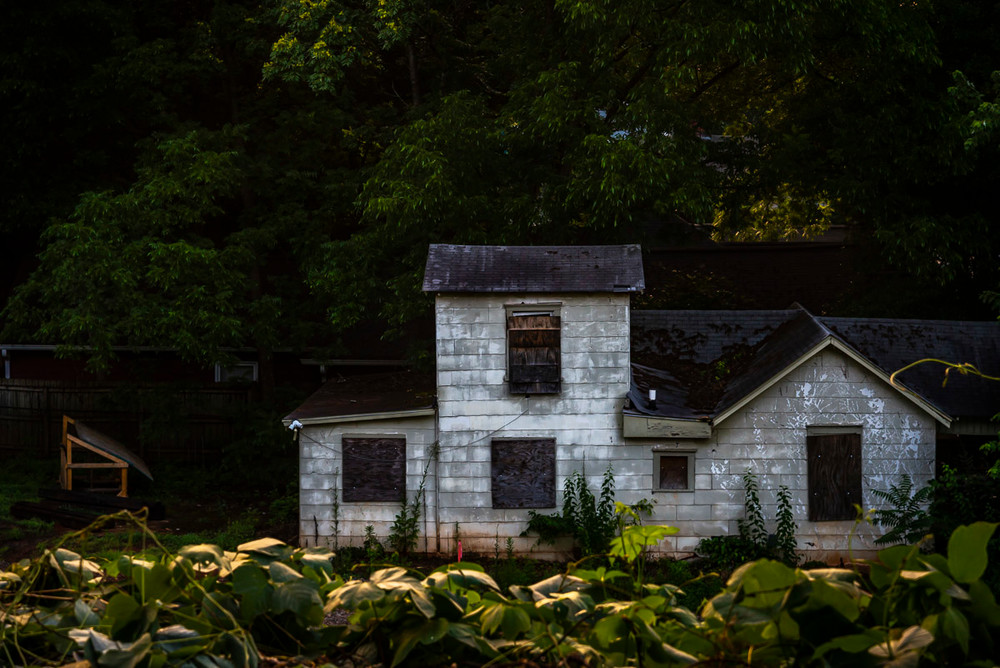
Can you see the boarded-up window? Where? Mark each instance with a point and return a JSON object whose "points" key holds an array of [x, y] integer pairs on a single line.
{"points": [[834, 471], [675, 471], [524, 472], [374, 469], [533, 353]]}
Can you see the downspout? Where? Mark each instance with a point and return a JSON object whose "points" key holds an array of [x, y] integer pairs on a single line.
{"points": [[436, 452]]}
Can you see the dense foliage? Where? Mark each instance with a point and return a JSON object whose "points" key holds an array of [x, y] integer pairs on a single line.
{"points": [[228, 172], [205, 606], [752, 540], [591, 521]]}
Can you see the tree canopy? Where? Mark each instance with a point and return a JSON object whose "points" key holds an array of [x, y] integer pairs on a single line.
{"points": [[232, 173]]}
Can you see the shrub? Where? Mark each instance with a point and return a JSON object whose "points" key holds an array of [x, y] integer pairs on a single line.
{"points": [[754, 542], [589, 520], [906, 517], [960, 499]]}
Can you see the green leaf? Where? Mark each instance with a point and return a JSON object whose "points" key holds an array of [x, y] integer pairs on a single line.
{"points": [[301, 597], [180, 640], [636, 538], [557, 584], [405, 643], [515, 622], [85, 616], [353, 593], [967, 557], [155, 583], [122, 610], [129, 656], [461, 577], [251, 584], [73, 568], [610, 630], [265, 550], [912, 639], [203, 555], [853, 644], [954, 625], [319, 559], [283, 573]]}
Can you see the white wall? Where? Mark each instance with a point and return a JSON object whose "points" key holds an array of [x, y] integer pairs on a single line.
{"points": [[321, 486], [769, 437], [475, 405]]}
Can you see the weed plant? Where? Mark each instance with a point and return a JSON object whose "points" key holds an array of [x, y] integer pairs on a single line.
{"points": [[589, 520], [906, 517], [726, 553]]}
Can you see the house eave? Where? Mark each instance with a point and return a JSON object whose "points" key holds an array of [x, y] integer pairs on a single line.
{"points": [[362, 417], [847, 350], [650, 426]]}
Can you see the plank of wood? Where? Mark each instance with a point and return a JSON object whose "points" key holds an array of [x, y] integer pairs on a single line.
{"points": [[523, 472]]}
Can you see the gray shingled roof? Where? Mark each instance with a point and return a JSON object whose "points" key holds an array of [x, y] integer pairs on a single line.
{"points": [[368, 394], [533, 269], [703, 362]]}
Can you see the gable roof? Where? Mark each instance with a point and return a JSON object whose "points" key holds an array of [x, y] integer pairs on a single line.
{"points": [[452, 268], [705, 365]]}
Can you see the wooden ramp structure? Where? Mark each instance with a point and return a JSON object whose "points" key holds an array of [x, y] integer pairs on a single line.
{"points": [[81, 445]]}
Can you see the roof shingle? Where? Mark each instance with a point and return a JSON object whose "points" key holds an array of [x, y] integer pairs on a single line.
{"points": [[452, 268]]}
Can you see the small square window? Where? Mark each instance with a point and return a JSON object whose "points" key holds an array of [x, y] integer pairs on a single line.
{"points": [[673, 471], [374, 468]]}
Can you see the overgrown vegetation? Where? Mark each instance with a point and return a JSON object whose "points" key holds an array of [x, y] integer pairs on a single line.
{"points": [[754, 541], [906, 517], [591, 521], [959, 499], [207, 606], [405, 527]]}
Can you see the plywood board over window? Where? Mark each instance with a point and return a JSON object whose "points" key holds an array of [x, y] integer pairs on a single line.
{"points": [[374, 468], [533, 353], [834, 470], [524, 472], [673, 471]]}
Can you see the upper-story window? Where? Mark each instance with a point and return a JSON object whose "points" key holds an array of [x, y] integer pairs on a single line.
{"points": [[533, 352]]}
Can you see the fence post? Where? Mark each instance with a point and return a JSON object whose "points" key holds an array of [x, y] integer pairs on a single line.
{"points": [[47, 421]]}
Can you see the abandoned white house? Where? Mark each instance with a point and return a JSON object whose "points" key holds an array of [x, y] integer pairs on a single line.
{"points": [[543, 369]]}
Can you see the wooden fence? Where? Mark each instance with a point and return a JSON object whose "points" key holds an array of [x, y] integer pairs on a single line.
{"points": [[159, 422]]}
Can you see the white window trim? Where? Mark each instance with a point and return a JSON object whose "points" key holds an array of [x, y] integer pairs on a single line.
{"points": [[659, 453], [529, 308], [220, 370]]}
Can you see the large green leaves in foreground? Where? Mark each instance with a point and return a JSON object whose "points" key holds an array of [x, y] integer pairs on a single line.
{"points": [[205, 606]]}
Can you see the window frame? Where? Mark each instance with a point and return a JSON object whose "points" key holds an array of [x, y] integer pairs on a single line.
{"points": [[376, 468], [222, 371], [849, 472], [503, 494], [548, 309], [659, 454]]}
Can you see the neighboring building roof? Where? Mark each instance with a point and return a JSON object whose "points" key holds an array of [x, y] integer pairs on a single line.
{"points": [[705, 364], [368, 396], [893, 344], [534, 269]]}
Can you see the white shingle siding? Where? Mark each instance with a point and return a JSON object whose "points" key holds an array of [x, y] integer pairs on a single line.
{"points": [[584, 417], [321, 484], [768, 436]]}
